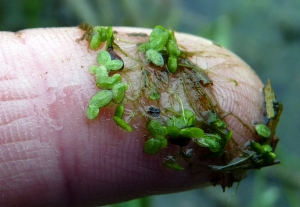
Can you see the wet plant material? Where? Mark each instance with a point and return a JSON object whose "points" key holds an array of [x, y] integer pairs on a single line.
{"points": [[174, 95]]}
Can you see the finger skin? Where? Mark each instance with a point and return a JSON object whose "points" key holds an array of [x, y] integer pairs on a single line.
{"points": [[52, 155]]}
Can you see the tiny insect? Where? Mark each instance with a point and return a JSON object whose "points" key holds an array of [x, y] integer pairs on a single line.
{"points": [[152, 111]]}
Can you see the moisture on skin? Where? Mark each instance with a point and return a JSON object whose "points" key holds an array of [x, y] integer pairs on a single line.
{"points": [[47, 141]]}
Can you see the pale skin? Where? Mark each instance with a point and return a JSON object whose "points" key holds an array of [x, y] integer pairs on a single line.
{"points": [[52, 155]]}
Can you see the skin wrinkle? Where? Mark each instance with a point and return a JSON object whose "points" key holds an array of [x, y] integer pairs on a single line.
{"points": [[80, 160], [239, 98], [28, 174]]}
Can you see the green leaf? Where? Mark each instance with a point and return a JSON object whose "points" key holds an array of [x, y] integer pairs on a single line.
{"points": [[172, 48], [119, 111], [163, 141], [152, 146], [95, 41], [102, 31], [101, 99], [159, 41], [172, 64], [119, 92], [156, 129], [267, 148], [110, 32], [218, 123], [177, 122], [108, 82], [101, 71], [201, 142], [92, 112], [269, 157], [255, 146], [191, 132], [173, 132], [103, 57], [213, 145], [121, 123], [213, 141], [156, 31], [171, 35], [155, 57], [115, 64], [190, 117], [110, 37], [93, 68], [263, 130], [143, 47]]}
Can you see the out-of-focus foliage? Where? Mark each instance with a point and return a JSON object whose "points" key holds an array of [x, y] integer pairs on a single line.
{"points": [[266, 34]]}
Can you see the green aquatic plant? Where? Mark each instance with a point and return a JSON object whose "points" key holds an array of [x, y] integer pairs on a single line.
{"points": [[162, 44], [196, 122]]}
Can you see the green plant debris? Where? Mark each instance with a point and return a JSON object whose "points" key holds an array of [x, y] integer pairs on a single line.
{"points": [[162, 43], [213, 141], [193, 121], [264, 155], [172, 64], [262, 130], [191, 132], [173, 132], [155, 128], [119, 91], [121, 123], [155, 57], [95, 41], [254, 156], [152, 146], [108, 82], [119, 111], [104, 58], [95, 35], [99, 100], [170, 162], [111, 87], [154, 94], [234, 165]]}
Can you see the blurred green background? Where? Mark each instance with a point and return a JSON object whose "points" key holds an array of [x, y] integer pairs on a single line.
{"points": [[265, 33]]}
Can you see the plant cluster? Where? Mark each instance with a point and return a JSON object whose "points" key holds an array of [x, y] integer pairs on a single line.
{"points": [[112, 89], [177, 127]]}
